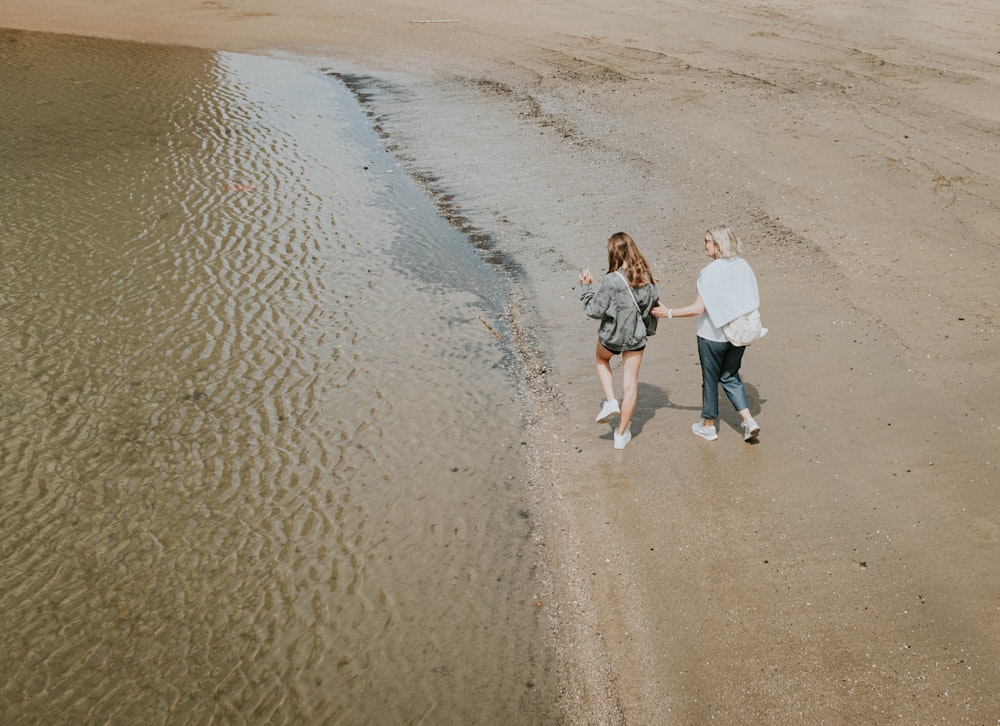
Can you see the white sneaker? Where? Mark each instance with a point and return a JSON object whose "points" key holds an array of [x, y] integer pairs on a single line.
{"points": [[706, 432], [609, 409], [622, 441], [750, 430]]}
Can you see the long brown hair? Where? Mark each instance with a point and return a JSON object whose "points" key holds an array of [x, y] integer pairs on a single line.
{"points": [[623, 252]]}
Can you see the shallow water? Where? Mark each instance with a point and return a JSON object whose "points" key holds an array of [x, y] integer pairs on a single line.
{"points": [[260, 458]]}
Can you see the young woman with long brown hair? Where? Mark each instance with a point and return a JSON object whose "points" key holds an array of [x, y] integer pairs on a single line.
{"points": [[622, 302]]}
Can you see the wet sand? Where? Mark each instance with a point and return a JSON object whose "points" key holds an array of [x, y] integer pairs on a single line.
{"points": [[842, 570], [221, 501]]}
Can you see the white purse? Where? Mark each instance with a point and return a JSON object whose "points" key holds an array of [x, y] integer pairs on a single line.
{"points": [[745, 329]]}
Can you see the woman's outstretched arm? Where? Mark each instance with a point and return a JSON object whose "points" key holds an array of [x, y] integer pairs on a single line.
{"points": [[695, 308]]}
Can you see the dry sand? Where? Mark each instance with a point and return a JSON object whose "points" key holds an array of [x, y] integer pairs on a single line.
{"points": [[844, 569]]}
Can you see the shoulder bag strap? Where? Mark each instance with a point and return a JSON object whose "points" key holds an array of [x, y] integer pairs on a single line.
{"points": [[631, 294]]}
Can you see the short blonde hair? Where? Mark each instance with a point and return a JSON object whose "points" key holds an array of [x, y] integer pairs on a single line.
{"points": [[725, 236]]}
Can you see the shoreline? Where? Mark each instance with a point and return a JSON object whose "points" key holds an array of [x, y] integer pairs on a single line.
{"points": [[840, 571], [587, 693]]}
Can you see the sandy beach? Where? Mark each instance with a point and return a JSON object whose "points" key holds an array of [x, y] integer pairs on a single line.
{"points": [[841, 570]]}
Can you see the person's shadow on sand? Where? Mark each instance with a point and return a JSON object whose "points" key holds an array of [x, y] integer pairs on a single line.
{"points": [[653, 398]]}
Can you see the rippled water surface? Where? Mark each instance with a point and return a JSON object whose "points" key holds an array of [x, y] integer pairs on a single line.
{"points": [[260, 460]]}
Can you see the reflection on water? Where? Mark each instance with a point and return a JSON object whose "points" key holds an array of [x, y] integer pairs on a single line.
{"points": [[260, 460]]}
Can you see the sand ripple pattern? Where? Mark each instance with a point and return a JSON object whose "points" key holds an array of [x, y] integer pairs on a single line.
{"points": [[234, 490]]}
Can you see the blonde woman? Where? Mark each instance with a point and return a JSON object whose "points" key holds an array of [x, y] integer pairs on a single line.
{"points": [[727, 289], [622, 301]]}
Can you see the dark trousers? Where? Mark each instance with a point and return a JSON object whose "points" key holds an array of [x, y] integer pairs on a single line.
{"points": [[720, 363]]}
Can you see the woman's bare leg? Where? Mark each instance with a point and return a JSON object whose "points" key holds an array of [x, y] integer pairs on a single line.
{"points": [[631, 360], [604, 374]]}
